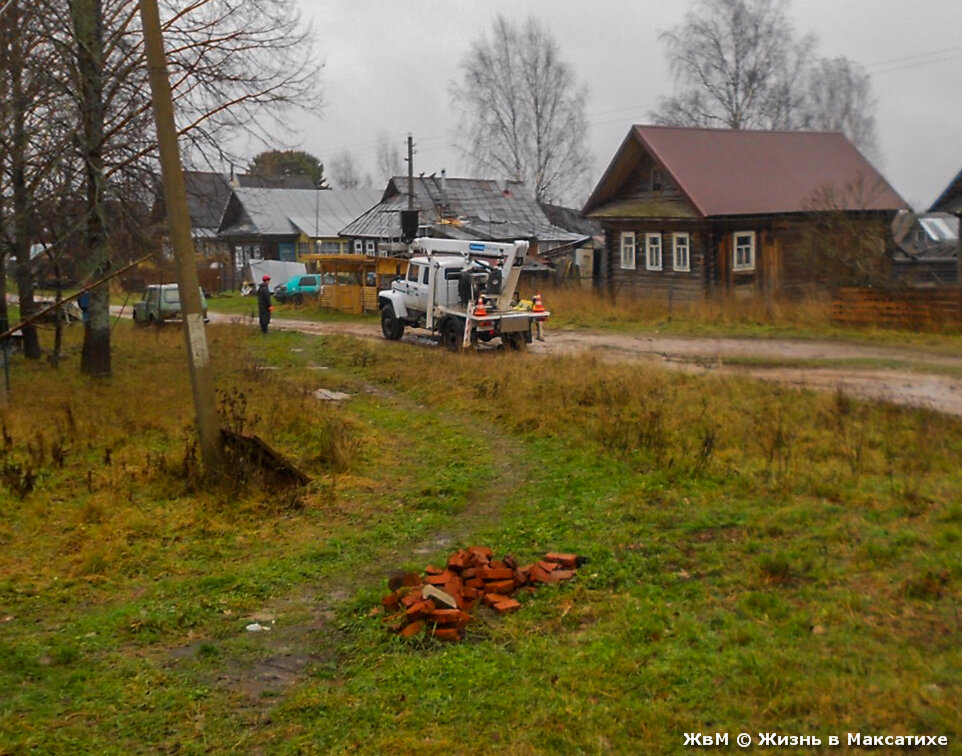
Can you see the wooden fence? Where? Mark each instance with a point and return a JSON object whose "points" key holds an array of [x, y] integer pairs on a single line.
{"points": [[916, 309]]}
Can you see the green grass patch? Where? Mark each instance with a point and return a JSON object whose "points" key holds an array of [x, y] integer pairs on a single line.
{"points": [[759, 559]]}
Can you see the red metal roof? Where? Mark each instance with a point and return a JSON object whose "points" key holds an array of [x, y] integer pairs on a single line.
{"points": [[724, 172]]}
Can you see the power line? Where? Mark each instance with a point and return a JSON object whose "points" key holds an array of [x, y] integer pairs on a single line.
{"points": [[917, 56]]}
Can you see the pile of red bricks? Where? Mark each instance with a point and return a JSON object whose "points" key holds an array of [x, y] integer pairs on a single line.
{"points": [[438, 602]]}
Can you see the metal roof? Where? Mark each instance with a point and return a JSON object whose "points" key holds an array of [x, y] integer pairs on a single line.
{"points": [[940, 229], [938, 240], [724, 173], [950, 201], [317, 213], [207, 195], [461, 208]]}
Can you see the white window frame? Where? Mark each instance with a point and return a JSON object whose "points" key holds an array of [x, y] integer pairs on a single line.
{"points": [[370, 248], [358, 246], [748, 263], [682, 267], [628, 250], [650, 249]]}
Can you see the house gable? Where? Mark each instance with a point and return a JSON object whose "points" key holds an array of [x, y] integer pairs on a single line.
{"points": [[636, 185], [724, 173], [950, 201]]}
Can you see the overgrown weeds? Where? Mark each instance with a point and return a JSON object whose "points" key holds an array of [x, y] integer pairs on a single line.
{"points": [[759, 558]]}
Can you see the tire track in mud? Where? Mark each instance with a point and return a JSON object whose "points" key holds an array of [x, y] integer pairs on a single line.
{"points": [[293, 648]]}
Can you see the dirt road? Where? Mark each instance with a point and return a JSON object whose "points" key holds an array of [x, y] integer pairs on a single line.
{"points": [[912, 376]]}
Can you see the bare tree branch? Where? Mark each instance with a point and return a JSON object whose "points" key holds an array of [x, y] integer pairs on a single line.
{"points": [[522, 112]]}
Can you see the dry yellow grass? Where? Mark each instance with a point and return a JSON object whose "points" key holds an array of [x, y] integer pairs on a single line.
{"points": [[595, 308]]}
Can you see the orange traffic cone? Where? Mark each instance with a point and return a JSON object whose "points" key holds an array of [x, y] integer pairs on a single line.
{"points": [[538, 307], [480, 311]]}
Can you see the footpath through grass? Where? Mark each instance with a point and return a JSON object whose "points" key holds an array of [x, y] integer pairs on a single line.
{"points": [[760, 559]]}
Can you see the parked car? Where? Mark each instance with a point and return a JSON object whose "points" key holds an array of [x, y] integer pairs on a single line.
{"points": [[161, 302], [299, 288]]}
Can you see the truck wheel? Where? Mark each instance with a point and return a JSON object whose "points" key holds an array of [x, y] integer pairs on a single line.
{"points": [[452, 334], [514, 341], [391, 327], [298, 299]]}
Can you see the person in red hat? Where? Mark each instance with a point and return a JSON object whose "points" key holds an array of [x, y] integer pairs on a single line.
{"points": [[264, 303]]}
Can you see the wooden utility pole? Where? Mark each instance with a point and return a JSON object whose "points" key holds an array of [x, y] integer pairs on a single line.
{"points": [[175, 193], [410, 172]]}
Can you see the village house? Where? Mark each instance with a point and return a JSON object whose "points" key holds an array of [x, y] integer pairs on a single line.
{"points": [[462, 208], [288, 224], [689, 212], [926, 249]]}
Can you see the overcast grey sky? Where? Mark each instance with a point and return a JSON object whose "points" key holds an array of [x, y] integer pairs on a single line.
{"points": [[389, 64]]}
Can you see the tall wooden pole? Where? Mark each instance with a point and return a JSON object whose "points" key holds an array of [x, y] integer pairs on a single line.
{"points": [[198, 357], [410, 172]]}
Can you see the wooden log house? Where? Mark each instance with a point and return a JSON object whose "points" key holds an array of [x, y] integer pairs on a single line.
{"points": [[691, 212]]}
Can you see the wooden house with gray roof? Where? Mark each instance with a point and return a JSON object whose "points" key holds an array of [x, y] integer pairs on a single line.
{"points": [[690, 211], [286, 224], [459, 208]]}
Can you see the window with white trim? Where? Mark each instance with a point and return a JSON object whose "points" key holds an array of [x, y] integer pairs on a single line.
{"points": [[653, 251], [681, 252], [627, 250], [358, 246], [743, 250]]}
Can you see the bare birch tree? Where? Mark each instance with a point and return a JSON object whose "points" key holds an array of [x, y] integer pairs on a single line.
{"points": [[345, 174], [234, 67], [839, 98], [739, 64], [389, 162], [522, 112]]}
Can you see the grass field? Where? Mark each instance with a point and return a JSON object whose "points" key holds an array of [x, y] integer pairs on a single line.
{"points": [[760, 559]]}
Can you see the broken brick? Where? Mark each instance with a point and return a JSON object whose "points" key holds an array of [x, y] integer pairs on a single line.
{"points": [[484, 552], [449, 617], [419, 610], [496, 573], [441, 578], [413, 629], [448, 634], [490, 599], [442, 600], [458, 560], [390, 601], [568, 561], [538, 574], [400, 579]]}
